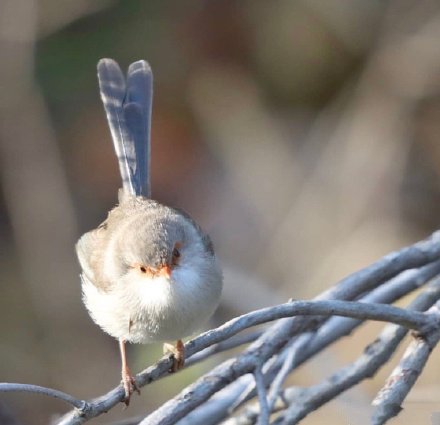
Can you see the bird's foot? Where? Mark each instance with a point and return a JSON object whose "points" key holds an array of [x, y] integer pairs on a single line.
{"points": [[178, 353], [129, 385]]}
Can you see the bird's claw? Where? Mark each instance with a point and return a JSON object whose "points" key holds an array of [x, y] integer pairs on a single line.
{"points": [[178, 354], [130, 386]]}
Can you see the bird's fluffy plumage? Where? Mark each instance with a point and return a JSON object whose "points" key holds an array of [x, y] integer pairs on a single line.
{"points": [[139, 308], [148, 272]]}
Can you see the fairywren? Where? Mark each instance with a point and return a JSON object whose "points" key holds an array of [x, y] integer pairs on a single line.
{"points": [[149, 273]]}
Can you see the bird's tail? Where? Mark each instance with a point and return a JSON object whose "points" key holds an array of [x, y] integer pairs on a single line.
{"points": [[128, 108]]}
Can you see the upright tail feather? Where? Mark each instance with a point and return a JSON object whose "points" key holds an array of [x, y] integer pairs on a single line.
{"points": [[128, 109], [137, 109]]}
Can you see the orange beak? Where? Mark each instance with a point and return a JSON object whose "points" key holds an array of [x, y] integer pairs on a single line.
{"points": [[165, 271]]}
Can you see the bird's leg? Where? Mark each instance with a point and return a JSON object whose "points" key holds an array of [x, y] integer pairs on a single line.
{"points": [[127, 378], [178, 352]]}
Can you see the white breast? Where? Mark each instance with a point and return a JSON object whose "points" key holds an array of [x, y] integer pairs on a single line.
{"points": [[140, 309]]}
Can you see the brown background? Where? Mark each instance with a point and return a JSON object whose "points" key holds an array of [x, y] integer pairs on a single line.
{"points": [[302, 135]]}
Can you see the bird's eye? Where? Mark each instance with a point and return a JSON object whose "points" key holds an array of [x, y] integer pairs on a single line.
{"points": [[176, 254], [140, 268]]}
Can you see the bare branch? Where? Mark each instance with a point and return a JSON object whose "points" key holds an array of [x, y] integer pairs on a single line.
{"points": [[404, 376], [7, 387], [262, 396], [275, 338], [218, 406], [220, 347], [375, 355], [285, 369], [302, 349], [227, 372], [389, 292], [414, 256]]}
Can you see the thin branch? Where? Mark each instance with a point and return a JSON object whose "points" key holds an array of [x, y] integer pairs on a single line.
{"points": [[248, 392], [417, 255], [262, 396], [218, 407], [404, 376], [391, 291], [270, 342], [227, 372], [271, 369], [220, 347], [346, 308], [353, 309], [7, 387], [276, 370], [356, 284], [374, 356], [367, 365], [285, 370]]}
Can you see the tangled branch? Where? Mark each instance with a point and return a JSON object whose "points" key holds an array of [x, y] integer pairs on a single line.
{"points": [[301, 330]]}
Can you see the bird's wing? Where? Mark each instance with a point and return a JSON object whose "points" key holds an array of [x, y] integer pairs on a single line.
{"points": [[87, 249]]}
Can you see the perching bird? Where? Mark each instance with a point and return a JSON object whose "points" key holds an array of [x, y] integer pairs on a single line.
{"points": [[149, 273]]}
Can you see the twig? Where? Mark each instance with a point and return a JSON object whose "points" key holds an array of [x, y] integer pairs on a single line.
{"points": [[358, 283], [414, 256], [358, 310], [285, 370], [272, 340], [7, 387], [271, 370], [226, 373], [404, 376], [220, 347], [262, 396], [274, 372], [217, 407], [374, 357], [346, 308], [242, 390], [391, 291]]}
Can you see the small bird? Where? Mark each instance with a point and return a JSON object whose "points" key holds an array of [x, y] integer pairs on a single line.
{"points": [[149, 273]]}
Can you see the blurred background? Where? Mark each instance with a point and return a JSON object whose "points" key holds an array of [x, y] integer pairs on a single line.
{"points": [[302, 135]]}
